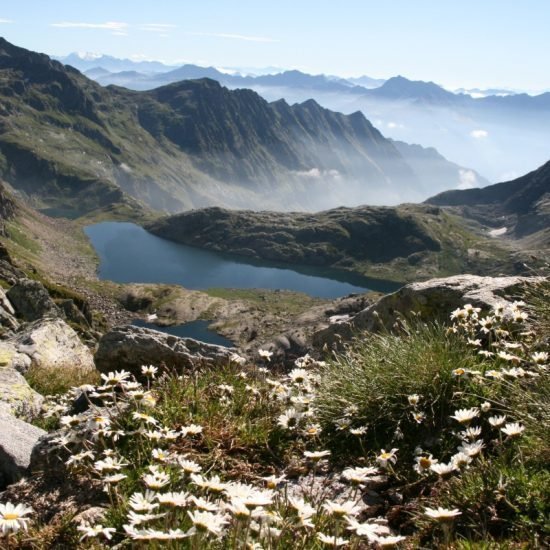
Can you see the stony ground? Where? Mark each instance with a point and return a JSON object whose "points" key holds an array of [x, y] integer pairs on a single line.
{"points": [[57, 249]]}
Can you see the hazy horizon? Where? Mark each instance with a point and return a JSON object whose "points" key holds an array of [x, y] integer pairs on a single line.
{"points": [[496, 44]]}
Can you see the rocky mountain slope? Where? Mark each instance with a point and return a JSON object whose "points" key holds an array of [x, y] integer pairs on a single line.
{"points": [[400, 243], [519, 208], [74, 147], [7, 209]]}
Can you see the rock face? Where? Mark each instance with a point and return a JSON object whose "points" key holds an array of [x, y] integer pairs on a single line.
{"points": [[8, 271], [433, 299], [16, 394], [17, 440], [31, 300], [7, 209], [48, 343], [7, 318], [131, 347], [12, 358]]}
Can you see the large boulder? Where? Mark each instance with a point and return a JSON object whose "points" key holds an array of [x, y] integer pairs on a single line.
{"points": [[52, 343], [17, 440], [130, 347], [16, 394], [433, 299], [32, 301]]}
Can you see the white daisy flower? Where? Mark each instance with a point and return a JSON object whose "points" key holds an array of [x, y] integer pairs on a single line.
{"points": [[442, 514], [12, 517]]}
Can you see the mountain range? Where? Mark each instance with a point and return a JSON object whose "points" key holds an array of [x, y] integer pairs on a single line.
{"points": [[73, 147], [499, 133]]}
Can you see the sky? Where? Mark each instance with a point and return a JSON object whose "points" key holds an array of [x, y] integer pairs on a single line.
{"points": [[456, 43]]}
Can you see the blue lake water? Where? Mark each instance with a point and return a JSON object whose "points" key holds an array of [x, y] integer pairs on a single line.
{"points": [[129, 254], [196, 329]]}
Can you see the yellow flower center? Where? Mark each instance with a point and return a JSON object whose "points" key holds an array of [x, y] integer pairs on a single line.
{"points": [[11, 516]]}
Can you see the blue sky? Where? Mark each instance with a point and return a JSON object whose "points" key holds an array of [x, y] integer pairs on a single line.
{"points": [[503, 43]]}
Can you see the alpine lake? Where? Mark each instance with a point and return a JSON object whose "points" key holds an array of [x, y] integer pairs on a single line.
{"points": [[129, 254]]}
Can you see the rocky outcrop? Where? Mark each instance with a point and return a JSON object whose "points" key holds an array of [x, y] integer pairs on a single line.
{"points": [[433, 299], [32, 301], [16, 395], [7, 313], [17, 440], [8, 272], [53, 343], [12, 358], [47, 343], [7, 209], [130, 347]]}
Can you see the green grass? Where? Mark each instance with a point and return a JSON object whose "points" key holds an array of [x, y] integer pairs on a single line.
{"points": [[20, 237], [239, 433], [376, 375], [500, 499], [56, 381]]}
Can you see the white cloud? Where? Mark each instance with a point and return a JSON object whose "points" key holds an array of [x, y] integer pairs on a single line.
{"points": [[235, 36], [467, 179], [393, 125], [156, 27], [109, 25], [6, 21], [316, 173], [479, 134]]}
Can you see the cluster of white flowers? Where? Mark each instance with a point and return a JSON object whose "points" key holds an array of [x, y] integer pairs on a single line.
{"points": [[180, 495]]}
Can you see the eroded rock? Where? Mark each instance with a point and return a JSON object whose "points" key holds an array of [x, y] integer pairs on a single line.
{"points": [[433, 299], [53, 343], [130, 347], [7, 313], [32, 301], [12, 358], [17, 440], [16, 393]]}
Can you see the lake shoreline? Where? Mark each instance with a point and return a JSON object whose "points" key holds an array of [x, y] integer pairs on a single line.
{"points": [[130, 254]]}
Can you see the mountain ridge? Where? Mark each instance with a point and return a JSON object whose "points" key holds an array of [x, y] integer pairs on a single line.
{"points": [[520, 206], [71, 144]]}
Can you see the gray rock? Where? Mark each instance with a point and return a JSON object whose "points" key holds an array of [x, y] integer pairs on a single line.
{"points": [[286, 348], [5, 303], [7, 320], [53, 343], [32, 301], [16, 393], [72, 313], [17, 440], [9, 272], [11, 357], [130, 347], [7, 313], [47, 456], [433, 299]]}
